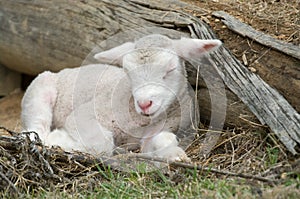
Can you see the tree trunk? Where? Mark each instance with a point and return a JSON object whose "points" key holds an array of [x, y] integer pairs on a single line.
{"points": [[51, 35]]}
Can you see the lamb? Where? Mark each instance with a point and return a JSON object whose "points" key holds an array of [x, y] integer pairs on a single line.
{"points": [[98, 107]]}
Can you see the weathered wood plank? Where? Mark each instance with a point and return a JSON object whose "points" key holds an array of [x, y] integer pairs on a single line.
{"points": [[247, 31], [265, 102]]}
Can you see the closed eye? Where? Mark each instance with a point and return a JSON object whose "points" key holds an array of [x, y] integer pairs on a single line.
{"points": [[168, 72]]}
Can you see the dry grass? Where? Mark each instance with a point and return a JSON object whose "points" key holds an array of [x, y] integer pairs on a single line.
{"points": [[30, 168]]}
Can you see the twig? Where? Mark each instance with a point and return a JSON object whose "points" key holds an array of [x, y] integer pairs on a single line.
{"points": [[117, 163], [7, 130], [233, 153], [252, 123], [199, 167], [9, 182]]}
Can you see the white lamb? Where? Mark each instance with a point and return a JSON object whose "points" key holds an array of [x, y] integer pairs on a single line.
{"points": [[97, 107]]}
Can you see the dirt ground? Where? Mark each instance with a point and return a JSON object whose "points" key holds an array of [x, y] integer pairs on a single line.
{"points": [[278, 18]]}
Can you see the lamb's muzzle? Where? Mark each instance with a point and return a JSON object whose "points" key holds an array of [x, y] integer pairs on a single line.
{"points": [[145, 105]]}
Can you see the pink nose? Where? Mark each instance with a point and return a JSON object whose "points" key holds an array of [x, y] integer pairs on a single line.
{"points": [[145, 105]]}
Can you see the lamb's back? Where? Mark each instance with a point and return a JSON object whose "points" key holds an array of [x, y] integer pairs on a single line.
{"points": [[77, 86]]}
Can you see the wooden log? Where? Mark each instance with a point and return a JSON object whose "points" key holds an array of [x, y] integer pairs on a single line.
{"points": [[266, 56], [265, 102], [51, 35]]}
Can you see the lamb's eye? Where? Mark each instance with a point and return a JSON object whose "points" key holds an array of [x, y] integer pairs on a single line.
{"points": [[168, 72]]}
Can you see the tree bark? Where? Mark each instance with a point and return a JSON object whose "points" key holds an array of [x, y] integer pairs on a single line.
{"points": [[51, 35]]}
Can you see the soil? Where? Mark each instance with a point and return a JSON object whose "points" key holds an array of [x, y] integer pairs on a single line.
{"points": [[278, 18], [10, 109]]}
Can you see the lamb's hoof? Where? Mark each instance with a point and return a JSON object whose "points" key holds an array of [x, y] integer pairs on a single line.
{"points": [[174, 154], [183, 159]]}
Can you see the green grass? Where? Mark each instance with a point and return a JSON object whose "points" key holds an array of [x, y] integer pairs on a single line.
{"points": [[272, 156], [184, 184]]}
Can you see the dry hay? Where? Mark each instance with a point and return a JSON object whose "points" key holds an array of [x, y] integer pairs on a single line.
{"points": [[244, 151], [27, 166]]}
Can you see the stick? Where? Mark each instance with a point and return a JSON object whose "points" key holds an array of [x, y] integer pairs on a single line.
{"points": [[247, 31], [7, 130], [199, 167], [9, 182]]}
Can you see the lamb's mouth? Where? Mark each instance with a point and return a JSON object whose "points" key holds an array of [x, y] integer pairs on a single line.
{"points": [[154, 113], [147, 114], [150, 114]]}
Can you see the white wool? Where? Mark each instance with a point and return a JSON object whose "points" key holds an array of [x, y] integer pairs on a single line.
{"points": [[97, 107]]}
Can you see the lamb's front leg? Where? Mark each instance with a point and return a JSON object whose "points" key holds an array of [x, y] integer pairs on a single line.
{"points": [[83, 132], [164, 145], [37, 105]]}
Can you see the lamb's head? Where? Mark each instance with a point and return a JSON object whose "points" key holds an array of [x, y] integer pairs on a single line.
{"points": [[155, 66], [156, 76]]}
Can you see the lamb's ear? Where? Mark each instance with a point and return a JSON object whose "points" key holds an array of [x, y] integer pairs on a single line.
{"points": [[194, 48], [115, 55]]}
